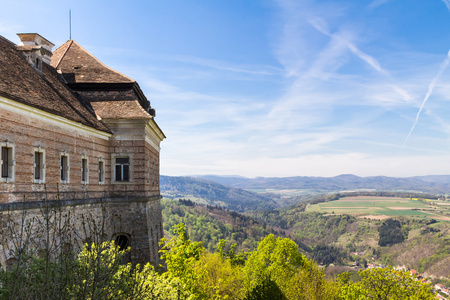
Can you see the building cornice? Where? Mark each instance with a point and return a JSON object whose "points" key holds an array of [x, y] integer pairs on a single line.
{"points": [[152, 134], [153, 127]]}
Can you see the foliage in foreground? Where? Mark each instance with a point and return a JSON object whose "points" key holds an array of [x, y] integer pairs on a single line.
{"points": [[386, 283], [275, 270], [97, 273]]}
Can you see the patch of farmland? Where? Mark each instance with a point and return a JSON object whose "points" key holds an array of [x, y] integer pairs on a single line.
{"points": [[375, 207]]}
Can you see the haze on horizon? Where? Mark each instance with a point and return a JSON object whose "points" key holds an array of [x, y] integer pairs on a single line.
{"points": [[274, 88]]}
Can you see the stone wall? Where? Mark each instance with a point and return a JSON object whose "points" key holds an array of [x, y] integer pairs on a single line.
{"points": [[73, 223]]}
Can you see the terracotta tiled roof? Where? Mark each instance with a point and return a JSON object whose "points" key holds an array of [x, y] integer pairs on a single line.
{"points": [[120, 110], [79, 66], [20, 82]]}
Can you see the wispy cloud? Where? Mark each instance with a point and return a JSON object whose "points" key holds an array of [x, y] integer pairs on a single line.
{"points": [[447, 3], [377, 3], [226, 66], [345, 39], [428, 94]]}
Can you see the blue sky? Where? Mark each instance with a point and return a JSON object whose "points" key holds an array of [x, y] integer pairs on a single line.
{"points": [[274, 87]]}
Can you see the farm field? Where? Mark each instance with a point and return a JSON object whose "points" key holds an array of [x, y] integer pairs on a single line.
{"points": [[384, 207]]}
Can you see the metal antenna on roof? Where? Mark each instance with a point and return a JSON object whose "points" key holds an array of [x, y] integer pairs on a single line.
{"points": [[70, 24]]}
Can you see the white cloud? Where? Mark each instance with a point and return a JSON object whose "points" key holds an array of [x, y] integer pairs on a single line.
{"points": [[318, 165]]}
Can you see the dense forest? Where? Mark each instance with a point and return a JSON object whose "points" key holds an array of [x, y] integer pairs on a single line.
{"points": [[327, 239], [210, 224]]}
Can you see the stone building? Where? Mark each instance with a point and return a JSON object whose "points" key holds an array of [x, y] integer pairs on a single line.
{"points": [[79, 136]]}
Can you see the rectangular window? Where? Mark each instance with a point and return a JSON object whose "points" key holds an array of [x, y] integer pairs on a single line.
{"points": [[122, 169], [101, 172], [39, 165], [157, 173], [64, 168], [7, 163], [84, 170], [153, 172], [148, 170]]}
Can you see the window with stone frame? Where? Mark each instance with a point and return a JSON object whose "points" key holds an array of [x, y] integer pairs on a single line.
{"points": [[122, 169], [157, 173], [101, 171], [148, 169], [84, 169], [39, 165], [153, 173], [7, 162], [38, 63], [64, 167]]}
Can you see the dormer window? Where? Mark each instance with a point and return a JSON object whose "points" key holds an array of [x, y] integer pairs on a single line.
{"points": [[38, 63], [36, 49]]}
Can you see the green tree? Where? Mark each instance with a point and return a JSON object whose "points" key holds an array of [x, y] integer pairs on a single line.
{"points": [[386, 283], [181, 256], [219, 278], [97, 273], [277, 266], [390, 233]]}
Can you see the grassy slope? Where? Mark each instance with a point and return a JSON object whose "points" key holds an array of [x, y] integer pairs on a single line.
{"points": [[424, 251]]}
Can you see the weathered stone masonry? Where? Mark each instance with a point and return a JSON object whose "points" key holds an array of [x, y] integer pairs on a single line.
{"points": [[80, 138]]}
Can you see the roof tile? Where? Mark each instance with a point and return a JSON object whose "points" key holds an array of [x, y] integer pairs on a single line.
{"points": [[79, 66], [19, 81]]}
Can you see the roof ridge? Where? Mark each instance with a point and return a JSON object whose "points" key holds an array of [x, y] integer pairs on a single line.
{"points": [[7, 40], [64, 53], [87, 52]]}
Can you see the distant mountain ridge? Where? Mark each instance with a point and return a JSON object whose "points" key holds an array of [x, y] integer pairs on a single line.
{"points": [[435, 184]]}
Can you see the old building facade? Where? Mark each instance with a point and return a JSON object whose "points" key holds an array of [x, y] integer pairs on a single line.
{"points": [[77, 136]]}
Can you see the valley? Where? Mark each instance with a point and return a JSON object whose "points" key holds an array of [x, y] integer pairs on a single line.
{"points": [[340, 228]]}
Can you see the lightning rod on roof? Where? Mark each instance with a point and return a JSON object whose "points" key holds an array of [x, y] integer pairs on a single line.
{"points": [[70, 24]]}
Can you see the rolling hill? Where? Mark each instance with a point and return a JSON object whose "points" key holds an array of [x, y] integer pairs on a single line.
{"points": [[435, 184], [212, 193]]}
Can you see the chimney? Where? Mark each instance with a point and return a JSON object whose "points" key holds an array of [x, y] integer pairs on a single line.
{"points": [[36, 49]]}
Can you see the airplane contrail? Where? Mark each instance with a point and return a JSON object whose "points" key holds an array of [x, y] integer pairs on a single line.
{"points": [[429, 92], [447, 3]]}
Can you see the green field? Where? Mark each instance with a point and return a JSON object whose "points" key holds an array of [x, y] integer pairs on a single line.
{"points": [[383, 207]]}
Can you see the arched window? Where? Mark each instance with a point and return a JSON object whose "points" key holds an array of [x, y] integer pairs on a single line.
{"points": [[122, 241]]}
